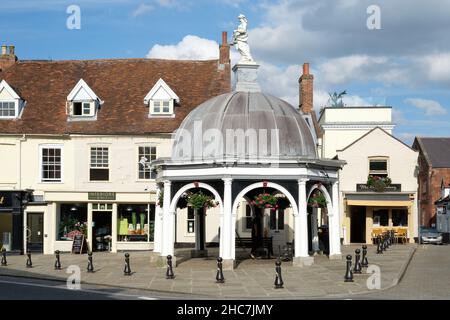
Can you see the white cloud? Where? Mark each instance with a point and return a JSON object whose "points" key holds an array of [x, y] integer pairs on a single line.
{"points": [[190, 48], [437, 67], [345, 69], [431, 107], [141, 9]]}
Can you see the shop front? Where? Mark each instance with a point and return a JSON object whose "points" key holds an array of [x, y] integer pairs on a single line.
{"points": [[108, 221], [11, 220], [368, 215]]}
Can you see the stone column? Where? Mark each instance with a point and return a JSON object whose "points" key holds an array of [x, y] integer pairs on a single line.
{"points": [[114, 229], [334, 225], [168, 223], [90, 240], [301, 257], [227, 244], [157, 235]]}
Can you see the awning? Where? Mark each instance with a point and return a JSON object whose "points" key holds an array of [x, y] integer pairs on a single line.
{"points": [[378, 199]]}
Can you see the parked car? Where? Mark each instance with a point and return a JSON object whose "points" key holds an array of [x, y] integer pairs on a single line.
{"points": [[430, 235]]}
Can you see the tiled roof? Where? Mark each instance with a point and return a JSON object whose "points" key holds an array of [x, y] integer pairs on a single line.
{"points": [[121, 83], [435, 150]]}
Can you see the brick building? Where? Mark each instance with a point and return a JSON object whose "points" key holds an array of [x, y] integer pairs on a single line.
{"points": [[434, 171]]}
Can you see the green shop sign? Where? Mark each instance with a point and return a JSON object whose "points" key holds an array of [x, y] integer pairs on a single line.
{"points": [[101, 196]]}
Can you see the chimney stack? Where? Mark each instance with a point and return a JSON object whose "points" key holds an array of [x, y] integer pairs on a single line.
{"points": [[7, 59], [224, 55], [306, 90], [225, 63]]}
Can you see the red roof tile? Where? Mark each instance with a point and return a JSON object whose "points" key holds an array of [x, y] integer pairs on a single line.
{"points": [[121, 83]]}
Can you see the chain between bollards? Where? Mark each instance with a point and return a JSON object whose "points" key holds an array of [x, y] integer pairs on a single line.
{"points": [[29, 263], [278, 279], [4, 262], [169, 272], [57, 262], [348, 274], [219, 276], [127, 270], [90, 266]]}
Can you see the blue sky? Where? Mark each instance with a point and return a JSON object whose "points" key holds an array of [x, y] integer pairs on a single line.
{"points": [[406, 63]]}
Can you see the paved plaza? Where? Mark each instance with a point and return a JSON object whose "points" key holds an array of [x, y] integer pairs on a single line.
{"points": [[195, 278]]}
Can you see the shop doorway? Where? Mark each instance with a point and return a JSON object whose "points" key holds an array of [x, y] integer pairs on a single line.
{"points": [[101, 230], [358, 224], [35, 232], [277, 229]]}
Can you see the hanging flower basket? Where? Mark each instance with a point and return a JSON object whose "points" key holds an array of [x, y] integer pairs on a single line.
{"points": [[265, 200], [200, 200], [379, 184], [317, 200]]}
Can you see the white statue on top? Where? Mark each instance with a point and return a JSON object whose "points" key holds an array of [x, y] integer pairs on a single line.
{"points": [[240, 37]]}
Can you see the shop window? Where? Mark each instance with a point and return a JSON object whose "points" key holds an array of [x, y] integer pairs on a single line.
{"points": [[6, 230], [400, 218], [72, 221], [190, 220], [248, 218], [381, 218], [378, 167], [51, 164], [276, 220], [135, 222], [146, 154], [99, 164]]}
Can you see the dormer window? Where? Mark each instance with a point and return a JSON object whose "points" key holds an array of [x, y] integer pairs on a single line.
{"points": [[164, 107], [82, 102], [161, 100], [10, 103]]}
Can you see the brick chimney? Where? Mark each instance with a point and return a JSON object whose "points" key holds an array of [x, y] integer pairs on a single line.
{"points": [[306, 90], [224, 55], [7, 58], [225, 63]]}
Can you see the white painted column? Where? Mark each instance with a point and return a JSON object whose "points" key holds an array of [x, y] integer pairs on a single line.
{"points": [[157, 236], [89, 221], [301, 228], [168, 222], [197, 229], [227, 245], [334, 221], [114, 229]]}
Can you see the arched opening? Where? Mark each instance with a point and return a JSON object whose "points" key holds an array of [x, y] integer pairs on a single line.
{"points": [[197, 207], [264, 221], [319, 207]]}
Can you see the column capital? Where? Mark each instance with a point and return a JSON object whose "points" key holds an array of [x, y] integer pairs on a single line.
{"points": [[227, 180], [302, 181], [167, 182]]}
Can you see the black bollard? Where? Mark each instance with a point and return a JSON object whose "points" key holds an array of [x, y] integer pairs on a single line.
{"points": [[57, 262], [127, 270], [29, 263], [365, 262], [219, 275], [379, 249], [357, 268], [278, 279], [169, 272], [90, 266], [4, 262], [348, 274]]}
